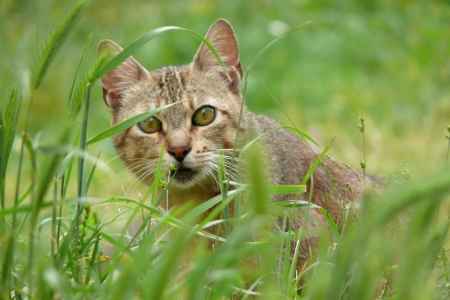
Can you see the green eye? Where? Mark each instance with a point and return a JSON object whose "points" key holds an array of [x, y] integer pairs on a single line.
{"points": [[151, 125], [204, 116]]}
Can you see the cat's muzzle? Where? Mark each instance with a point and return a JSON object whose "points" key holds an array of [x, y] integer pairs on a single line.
{"points": [[182, 174]]}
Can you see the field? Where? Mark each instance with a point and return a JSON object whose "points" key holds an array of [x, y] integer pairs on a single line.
{"points": [[323, 67]]}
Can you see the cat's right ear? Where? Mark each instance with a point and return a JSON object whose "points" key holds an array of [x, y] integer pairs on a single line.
{"points": [[116, 81], [222, 38]]}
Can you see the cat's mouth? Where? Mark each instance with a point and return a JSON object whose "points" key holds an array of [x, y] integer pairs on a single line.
{"points": [[183, 174]]}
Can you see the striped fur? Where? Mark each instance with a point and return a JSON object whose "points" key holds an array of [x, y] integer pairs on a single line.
{"points": [[208, 82]]}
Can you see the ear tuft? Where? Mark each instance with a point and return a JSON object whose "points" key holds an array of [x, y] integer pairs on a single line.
{"points": [[118, 80], [221, 36]]}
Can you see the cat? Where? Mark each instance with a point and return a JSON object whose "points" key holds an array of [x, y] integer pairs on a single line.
{"points": [[206, 116]]}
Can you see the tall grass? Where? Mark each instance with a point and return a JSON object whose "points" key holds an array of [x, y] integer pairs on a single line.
{"points": [[54, 237], [8, 123]]}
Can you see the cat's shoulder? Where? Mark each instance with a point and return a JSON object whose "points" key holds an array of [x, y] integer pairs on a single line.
{"points": [[274, 133]]}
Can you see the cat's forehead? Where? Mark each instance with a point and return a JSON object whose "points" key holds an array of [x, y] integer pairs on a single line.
{"points": [[171, 83], [179, 87]]}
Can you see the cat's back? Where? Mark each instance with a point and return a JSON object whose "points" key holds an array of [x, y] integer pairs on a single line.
{"points": [[333, 183]]}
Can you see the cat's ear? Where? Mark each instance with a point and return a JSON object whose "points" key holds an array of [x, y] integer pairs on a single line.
{"points": [[221, 36], [116, 81]]}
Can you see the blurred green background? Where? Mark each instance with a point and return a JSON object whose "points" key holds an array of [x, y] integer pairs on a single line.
{"points": [[387, 61]]}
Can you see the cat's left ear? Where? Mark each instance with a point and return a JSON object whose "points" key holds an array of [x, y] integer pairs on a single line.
{"points": [[220, 36]]}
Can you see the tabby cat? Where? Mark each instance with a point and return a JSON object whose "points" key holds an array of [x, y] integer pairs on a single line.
{"points": [[206, 116]]}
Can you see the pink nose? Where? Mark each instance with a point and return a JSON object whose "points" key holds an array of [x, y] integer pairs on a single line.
{"points": [[180, 152]]}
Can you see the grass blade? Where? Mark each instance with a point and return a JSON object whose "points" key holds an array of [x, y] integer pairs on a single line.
{"points": [[54, 43], [288, 189], [8, 124], [316, 163], [119, 127], [259, 187], [38, 201]]}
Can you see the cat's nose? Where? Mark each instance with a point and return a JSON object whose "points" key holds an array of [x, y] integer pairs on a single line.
{"points": [[180, 152]]}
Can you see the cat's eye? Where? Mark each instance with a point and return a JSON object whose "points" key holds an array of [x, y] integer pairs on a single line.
{"points": [[151, 125], [203, 116]]}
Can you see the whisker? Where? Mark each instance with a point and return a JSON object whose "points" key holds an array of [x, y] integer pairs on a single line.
{"points": [[210, 171], [230, 172]]}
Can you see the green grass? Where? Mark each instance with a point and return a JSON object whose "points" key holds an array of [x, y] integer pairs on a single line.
{"points": [[65, 200]]}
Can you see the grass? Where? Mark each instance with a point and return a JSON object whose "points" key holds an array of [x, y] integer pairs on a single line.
{"points": [[61, 210]]}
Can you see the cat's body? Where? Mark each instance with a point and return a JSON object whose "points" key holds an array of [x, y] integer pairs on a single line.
{"points": [[205, 118], [333, 185]]}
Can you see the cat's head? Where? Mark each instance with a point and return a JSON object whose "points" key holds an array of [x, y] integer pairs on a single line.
{"points": [[187, 137]]}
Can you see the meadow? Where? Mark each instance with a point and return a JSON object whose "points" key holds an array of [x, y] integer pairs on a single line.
{"points": [[370, 79]]}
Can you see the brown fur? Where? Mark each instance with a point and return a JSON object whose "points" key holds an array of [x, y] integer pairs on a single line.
{"points": [[131, 89]]}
